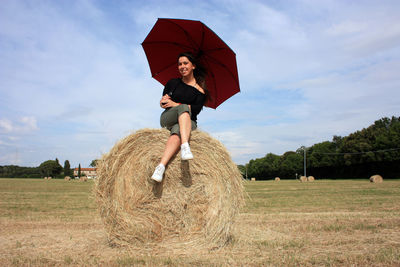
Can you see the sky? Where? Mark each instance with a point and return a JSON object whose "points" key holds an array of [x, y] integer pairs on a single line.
{"points": [[74, 78]]}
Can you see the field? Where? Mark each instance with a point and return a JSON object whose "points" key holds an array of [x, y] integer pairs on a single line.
{"points": [[286, 223]]}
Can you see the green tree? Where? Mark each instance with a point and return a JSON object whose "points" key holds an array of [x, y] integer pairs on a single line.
{"points": [[291, 163], [242, 170], [67, 169], [270, 165], [94, 163], [50, 168], [322, 154], [79, 170]]}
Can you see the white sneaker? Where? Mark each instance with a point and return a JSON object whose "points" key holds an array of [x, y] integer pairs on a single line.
{"points": [[158, 173], [186, 154]]}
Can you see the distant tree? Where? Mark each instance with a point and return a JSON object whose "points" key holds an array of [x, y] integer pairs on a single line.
{"points": [[12, 171], [79, 170], [94, 163], [242, 170], [50, 168], [322, 154], [264, 168], [291, 163], [67, 169], [271, 164], [375, 149]]}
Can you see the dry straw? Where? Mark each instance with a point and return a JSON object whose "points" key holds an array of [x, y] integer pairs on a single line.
{"points": [[194, 205], [303, 179], [376, 179], [310, 179], [67, 178], [83, 179], [277, 179]]}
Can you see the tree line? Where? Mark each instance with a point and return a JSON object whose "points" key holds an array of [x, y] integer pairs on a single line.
{"points": [[49, 168], [372, 150]]}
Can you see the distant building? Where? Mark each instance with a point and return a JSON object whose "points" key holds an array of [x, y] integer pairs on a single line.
{"points": [[90, 173]]}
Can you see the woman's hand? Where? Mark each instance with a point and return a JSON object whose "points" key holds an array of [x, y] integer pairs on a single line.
{"points": [[166, 102]]}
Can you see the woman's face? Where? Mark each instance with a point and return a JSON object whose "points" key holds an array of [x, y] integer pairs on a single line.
{"points": [[185, 67]]}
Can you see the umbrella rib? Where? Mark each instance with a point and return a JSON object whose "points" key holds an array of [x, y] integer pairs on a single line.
{"points": [[166, 67], [186, 33], [216, 91], [225, 67]]}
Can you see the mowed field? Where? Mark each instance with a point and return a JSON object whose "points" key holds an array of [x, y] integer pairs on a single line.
{"points": [[286, 223]]}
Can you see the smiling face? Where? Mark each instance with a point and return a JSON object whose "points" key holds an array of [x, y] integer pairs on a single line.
{"points": [[185, 67]]}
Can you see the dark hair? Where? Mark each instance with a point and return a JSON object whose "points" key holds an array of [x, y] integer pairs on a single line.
{"points": [[199, 72]]}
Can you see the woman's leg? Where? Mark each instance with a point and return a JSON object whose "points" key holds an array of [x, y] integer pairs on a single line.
{"points": [[174, 142], [171, 148], [185, 126]]}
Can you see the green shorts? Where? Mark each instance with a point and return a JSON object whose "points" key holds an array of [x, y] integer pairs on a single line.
{"points": [[169, 118]]}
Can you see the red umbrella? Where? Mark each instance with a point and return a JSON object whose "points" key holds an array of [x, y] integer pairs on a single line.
{"points": [[170, 37]]}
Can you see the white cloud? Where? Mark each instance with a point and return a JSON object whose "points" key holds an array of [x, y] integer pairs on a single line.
{"points": [[23, 125], [5, 125], [29, 124]]}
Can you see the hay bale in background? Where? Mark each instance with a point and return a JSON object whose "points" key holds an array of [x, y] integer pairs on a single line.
{"points": [[194, 205], [376, 179], [253, 179], [310, 179], [83, 179], [67, 178], [303, 179], [277, 179]]}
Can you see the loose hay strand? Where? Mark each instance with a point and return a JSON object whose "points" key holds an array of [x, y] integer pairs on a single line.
{"points": [[194, 205]]}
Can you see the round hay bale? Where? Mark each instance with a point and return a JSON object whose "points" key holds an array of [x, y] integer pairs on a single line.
{"points": [[194, 205], [67, 178], [83, 179], [303, 179], [376, 179], [277, 179], [310, 179], [253, 179]]}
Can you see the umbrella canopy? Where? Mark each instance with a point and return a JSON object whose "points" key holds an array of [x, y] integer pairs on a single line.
{"points": [[170, 37]]}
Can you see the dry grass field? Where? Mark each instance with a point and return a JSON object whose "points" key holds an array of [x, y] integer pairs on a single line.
{"points": [[285, 223]]}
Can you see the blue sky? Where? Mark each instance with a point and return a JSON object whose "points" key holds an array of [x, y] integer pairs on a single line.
{"points": [[74, 78]]}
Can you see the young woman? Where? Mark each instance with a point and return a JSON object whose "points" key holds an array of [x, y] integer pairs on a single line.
{"points": [[183, 99]]}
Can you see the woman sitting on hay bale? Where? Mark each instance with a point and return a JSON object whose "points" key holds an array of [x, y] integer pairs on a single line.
{"points": [[183, 99]]}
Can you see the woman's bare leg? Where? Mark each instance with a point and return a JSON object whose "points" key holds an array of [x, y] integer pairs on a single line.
{"points": [[171, 148], [185, 126]]}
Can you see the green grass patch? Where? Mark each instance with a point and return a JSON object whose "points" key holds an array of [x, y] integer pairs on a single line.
{"points": [[322, 195], [39, 199]]}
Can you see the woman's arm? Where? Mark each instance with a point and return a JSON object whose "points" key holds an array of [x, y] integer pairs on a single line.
{"points": [[167, 102]]}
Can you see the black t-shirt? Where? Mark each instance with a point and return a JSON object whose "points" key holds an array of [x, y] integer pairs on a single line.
{"points": [[182, 93]]}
